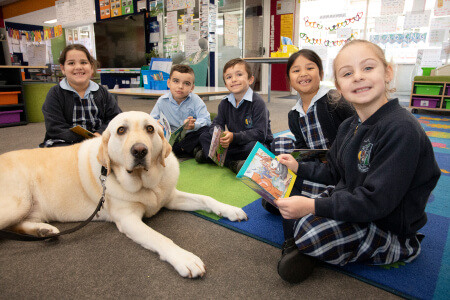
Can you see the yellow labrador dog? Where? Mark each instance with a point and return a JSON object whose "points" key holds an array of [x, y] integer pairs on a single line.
{"points": [[62, 184]]}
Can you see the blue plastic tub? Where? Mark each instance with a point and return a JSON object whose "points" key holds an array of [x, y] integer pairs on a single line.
{"points": [[150, 82]]}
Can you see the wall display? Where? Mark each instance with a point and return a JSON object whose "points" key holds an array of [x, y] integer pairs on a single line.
{"points": [[105, 9], [230, 30], [338, 25], [75, 12], [392, 7], [326, 42], [399, 38], [171, 23], [416, 20], [179, 4], [116, 8], [442, 8], [287, 26], [285, 7], [156, 8]]}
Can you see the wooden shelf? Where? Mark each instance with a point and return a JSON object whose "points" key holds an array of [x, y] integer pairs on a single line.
{"points": [[442, 96]]}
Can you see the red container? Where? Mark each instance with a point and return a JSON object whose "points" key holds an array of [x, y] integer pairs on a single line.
{"points": [[425, 102], [11, 116], [9, 97]]}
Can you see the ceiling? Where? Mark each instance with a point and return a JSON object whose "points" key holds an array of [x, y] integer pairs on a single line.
{"points": [[36, 17]]}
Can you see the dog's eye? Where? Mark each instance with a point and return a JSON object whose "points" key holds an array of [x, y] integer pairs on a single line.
{"points": [[150, 128], [121, 130]]}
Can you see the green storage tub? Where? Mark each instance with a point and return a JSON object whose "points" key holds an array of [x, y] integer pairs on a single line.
{"points": [[428, 89], [34, 95], [447, 103]]}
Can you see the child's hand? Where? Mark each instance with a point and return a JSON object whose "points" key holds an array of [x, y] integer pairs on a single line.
{"points": [[289, 161], [295, 207], [191, 123], [97, 134], [226, 139]]}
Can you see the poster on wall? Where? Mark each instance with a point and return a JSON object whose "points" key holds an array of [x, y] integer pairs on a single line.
{"points": [[287, 26], [116, 8], [74, 12], [179, 4], [285, 7], [127, 7], [392, 7], [442, 8], [105, 9], [156, 8], [191, 43], [171, 23], [230, 30]]}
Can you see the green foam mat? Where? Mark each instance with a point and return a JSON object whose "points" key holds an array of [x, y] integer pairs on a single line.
{"points": [[214, 181]]}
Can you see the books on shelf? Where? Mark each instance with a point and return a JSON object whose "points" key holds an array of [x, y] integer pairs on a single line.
{"points": [[265, 175], [216, 152], [83, 132]]}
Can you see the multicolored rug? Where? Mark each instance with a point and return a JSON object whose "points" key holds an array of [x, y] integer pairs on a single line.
{"points": [[428, 277]]}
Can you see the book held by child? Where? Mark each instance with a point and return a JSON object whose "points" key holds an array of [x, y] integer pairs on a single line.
{"points": [[178, 134], [265, 175], [166, 126], [216, 152], [83, 132]]}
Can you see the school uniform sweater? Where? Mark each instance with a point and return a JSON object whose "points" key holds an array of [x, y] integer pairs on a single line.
{"points": [[384, 171], [330, 116], [249, 122], [58, 112]]}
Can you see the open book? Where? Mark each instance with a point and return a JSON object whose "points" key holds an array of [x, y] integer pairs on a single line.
{"points": [[83, 132], [178, 134], [302, 154], [216, 152], [265, 175], [165, 125]]}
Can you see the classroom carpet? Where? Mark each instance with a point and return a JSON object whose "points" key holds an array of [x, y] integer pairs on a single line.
{"points": [[427, 277]]}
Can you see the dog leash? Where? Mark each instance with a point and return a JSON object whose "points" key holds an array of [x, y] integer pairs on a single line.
{"points": [[5, 234]]}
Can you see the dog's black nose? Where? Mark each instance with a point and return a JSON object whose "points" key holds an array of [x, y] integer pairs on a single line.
{"points": [[139, 150]]}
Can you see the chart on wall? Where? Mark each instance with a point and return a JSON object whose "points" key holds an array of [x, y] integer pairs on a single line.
{"points": [[115, 8], [72, 13]]}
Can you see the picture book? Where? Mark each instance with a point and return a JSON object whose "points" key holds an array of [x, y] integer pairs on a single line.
{"points": [[265, 175], [216, 152], [83, 132], [178, 134], [166, 126], [302, 154]]}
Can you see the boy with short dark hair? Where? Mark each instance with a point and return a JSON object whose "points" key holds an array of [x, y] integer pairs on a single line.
{"points": [[180, 105], [245, 115]]}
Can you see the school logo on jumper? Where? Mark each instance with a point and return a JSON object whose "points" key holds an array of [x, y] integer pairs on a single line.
{"points": [[248, 121], [364, 156]]}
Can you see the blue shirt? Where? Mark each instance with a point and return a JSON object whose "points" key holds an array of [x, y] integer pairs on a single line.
{"points": [[92, 87], [192, 106], [247, 96]]}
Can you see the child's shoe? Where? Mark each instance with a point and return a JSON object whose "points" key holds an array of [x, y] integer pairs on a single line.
{"points": [[294, 266], [269, 207], [235, 165], [199, 156]]}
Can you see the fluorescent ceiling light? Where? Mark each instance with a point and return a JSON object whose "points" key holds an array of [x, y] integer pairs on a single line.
{"points": [[51, 21]]}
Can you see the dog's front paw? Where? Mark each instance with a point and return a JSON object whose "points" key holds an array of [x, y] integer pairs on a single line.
{"points": [[232, 213], [186, 263]]}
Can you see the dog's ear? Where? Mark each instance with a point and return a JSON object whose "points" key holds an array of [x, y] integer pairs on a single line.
{"points": [[166, 148], [102, 155]]}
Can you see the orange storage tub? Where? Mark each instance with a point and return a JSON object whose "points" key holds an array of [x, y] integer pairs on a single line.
{"points": [[9, 97]]}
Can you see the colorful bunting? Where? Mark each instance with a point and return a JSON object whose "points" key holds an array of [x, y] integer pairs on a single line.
{"points": [[336, 26], [324, 42]]}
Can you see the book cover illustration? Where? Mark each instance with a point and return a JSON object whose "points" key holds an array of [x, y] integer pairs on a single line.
{"points": [[303, 154], [216, 152], [83, 132], [166, 126], [178, 134], [265, 175]]}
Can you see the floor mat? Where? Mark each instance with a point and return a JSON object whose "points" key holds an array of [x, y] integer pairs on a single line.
{"points": [[427, 277]]}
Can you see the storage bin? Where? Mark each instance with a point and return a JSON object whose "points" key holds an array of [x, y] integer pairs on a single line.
{"points": [[427, 71], [448, 89], [425, 102], [151, 83], [447, 103], [9, 97], [11, 116], [428, 89]]}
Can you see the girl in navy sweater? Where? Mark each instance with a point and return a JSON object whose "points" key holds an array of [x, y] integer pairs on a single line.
{"points": [[383, 167], [315, 118]]}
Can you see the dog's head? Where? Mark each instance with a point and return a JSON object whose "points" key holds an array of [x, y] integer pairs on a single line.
{"points": [[133, 140]]}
